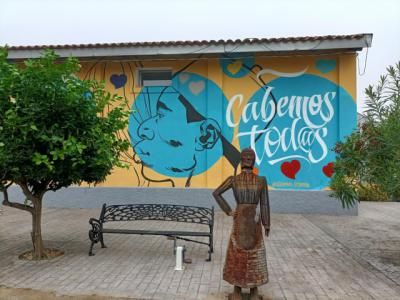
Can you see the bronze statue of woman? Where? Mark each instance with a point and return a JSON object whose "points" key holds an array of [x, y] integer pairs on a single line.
{"points": [[246, 263]]}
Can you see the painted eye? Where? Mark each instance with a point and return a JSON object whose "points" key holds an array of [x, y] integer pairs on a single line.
{"points": [[174, 143]]}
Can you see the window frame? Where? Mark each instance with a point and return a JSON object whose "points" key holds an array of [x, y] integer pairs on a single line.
{"points": [[139, 82]]}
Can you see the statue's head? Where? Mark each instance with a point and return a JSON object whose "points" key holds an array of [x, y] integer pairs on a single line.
{"points": [[247, 158]]}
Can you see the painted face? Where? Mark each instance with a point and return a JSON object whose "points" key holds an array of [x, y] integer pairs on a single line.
{"points": [[168, 138], [176, 131]]}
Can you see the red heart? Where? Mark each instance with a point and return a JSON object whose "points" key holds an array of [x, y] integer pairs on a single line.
{"points": [[328, 170], [290, 169]]}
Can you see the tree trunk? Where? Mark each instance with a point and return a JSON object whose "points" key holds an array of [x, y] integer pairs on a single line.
{"points": [[35, 208], [38, 246]]}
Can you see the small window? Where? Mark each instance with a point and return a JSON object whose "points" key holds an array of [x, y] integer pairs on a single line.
{"points": [[154, 77]]}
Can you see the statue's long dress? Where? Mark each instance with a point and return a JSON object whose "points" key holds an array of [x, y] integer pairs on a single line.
{"points": [[246, 263]]}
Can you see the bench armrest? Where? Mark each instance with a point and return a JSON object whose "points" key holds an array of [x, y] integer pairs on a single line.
{"points": [[94, 233]]}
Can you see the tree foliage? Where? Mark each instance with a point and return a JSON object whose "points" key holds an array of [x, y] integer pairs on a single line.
{"points": [[55, 129], [368, 161]]}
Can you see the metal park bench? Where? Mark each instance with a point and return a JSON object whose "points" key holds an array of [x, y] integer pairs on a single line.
{"points": [[154, 212]]}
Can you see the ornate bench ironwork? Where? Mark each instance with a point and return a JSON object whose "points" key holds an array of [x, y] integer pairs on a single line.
{"points": [[154, 212]]}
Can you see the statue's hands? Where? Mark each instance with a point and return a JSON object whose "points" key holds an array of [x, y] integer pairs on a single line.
{"points": [[231, 213], [266, 231]]}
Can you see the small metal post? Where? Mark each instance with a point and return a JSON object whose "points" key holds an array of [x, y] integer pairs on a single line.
{"points": [[174, 246]]}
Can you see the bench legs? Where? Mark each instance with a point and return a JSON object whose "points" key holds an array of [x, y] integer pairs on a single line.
{"points": [[209, 256], [94, 241], [91, 249], [102, 241], [210, 248], [95, 234]]}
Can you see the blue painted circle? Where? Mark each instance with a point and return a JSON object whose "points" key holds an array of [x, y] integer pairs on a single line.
{"points": [[288, 140], [166, 138]]}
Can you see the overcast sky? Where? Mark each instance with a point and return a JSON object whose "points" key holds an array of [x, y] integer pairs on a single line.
{"points": [[36, 22]]}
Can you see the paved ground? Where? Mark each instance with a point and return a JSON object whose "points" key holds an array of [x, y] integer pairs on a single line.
{"points": [[309, 257]]}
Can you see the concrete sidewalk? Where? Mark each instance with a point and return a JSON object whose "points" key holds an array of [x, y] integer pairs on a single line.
{"points": [[309, 257]]}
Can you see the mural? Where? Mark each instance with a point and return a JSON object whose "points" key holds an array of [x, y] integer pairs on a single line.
{"points": [[291, 111]]}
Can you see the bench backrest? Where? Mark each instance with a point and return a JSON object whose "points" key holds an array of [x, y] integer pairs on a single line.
{"points": [[159, 212]]}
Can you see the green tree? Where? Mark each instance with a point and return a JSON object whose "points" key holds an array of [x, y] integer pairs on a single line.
{"points": [[55, 130], [368, 161]]}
